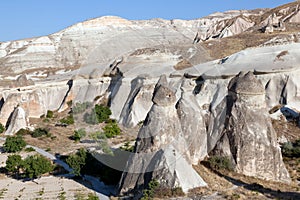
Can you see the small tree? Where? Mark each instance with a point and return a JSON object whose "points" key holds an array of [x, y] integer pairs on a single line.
{"points": [[49, 114], [78, 134], [14, 144], [150, 191], [111, 130], [37, 165], [77, 161], [14, 163], [102, 112]]}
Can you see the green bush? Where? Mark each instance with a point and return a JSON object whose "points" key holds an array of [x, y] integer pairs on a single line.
{"points": [[150, 191], [49, 114], [39, 132], [2, 128], [77, 161], [111, 130], [291, 150], [102, 112], [29, 149], [220, 163], [37, 165], [14, 163], [67, 120], [14, 144], [78, 134], [32, 166]]}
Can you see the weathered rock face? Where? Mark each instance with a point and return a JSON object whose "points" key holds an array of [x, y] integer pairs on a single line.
{"points": [[18, 120], [120, 61], [161, 149], [35, 100], [195, 133], [249, 139], [229, 27]]}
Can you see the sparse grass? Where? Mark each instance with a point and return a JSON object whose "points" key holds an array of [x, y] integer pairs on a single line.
{"points": [[2, 192], [90, 196], [224, 47], [127, 147], [41, 192], [62, 195], [59, 141]]}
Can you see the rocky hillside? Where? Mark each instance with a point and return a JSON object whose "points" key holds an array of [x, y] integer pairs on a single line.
{"points": [[200, 88]]}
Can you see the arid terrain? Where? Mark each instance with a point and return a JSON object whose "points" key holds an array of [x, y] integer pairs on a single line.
{"points": [[156, 109]]}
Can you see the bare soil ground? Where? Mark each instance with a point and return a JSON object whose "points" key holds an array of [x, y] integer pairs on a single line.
{"points": [[230, 185], [60, 140]]}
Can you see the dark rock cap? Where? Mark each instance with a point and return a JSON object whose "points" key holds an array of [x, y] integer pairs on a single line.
{"points": [[246, 83]]}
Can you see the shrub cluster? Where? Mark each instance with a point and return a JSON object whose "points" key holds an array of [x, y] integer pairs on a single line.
{"points": [[220, 163], [77, 161], [68, 120], [155, 190], [14, 144], [111, 129], [31, 167], [103, 113], [148, 193], [39, 132]]}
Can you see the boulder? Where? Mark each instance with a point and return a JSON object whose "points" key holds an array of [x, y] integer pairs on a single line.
{"points": [[17, 121]]}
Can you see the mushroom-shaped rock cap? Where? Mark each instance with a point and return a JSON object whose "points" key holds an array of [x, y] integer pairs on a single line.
{"points": [[164, 96], [246, 83]]}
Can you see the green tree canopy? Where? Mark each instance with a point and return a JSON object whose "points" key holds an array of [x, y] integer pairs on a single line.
{"points": [[14, 144]]}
